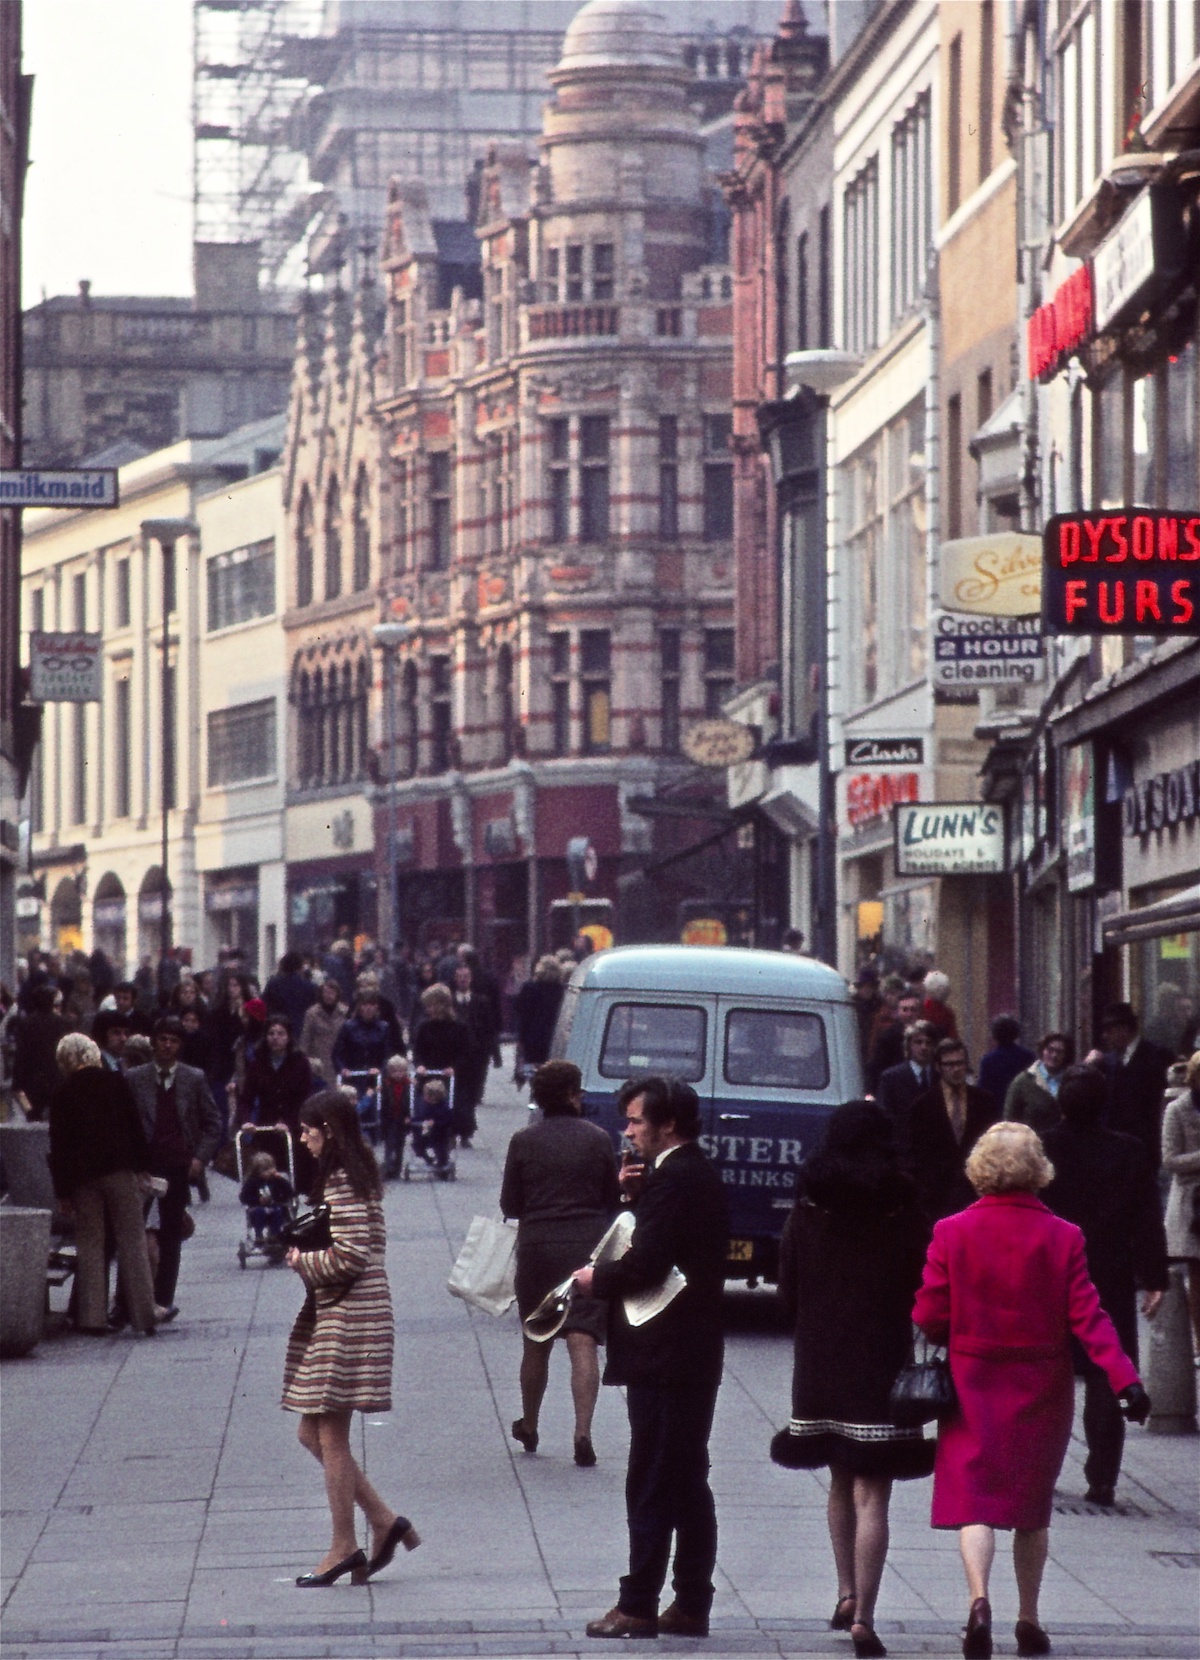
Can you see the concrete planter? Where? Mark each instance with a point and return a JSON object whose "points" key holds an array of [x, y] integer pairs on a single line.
{"points": [[24, 1248], [25, 1157]]}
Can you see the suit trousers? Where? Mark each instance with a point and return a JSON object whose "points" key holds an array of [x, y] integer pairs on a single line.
{"points": [[667, 1491], [116, 1197], [172, 1208], [1103, 1422]]}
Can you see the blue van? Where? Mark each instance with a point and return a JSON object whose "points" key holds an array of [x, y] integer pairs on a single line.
{"points": [[768, 1041]]}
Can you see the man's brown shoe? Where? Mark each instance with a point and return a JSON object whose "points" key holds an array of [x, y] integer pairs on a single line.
{"points": [[673, 1622], [616, 1623]]}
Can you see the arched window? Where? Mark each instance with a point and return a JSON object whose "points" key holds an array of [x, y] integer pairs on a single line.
{"points": [[304, 549], [333, 542], [304, 743], [410, 731], [361, 706], [362, 533], [317, 749], [504, 702]]}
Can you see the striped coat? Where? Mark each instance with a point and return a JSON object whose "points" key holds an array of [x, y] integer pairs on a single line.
{"points": [[339, 1355]]}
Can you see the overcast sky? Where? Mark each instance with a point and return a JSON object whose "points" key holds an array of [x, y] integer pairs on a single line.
{"points": [[108, 194]]}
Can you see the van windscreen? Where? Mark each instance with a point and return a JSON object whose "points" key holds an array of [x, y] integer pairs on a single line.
{"points": [[653, 1037], [776, 1049]]}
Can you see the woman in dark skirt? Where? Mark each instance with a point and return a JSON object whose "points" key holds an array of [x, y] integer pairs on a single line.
{"points": [[560, 1183], [850, 1260]]}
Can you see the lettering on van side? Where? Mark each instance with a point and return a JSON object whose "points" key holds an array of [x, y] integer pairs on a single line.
{"points": [[754, 1149]]}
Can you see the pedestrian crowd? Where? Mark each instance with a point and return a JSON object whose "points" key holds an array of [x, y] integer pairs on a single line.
{"points": [[148, 1084], [1011, 1217]]}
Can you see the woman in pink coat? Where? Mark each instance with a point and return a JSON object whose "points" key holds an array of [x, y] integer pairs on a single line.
{"points": [[1006, 1285]]}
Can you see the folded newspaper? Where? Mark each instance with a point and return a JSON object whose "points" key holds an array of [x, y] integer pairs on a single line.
{"points": [[547, 1319], [646, 1304]]}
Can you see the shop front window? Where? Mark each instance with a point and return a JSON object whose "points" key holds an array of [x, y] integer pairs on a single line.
{"points": [[1183, 430], [1166, 980]]}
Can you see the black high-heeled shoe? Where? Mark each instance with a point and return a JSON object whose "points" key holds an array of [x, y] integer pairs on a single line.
{"points": [[842, 1617], [1031, 1639], [977, 1638], [868, 1646], [401, 1532], [527, 1437], [348, 1564]]}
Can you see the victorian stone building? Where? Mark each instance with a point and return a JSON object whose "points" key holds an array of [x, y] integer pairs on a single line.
{"points": [[520, 453]]}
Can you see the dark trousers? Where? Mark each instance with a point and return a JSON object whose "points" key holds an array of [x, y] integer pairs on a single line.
{"points": [[171, 1210], [1103, 1424], [667, 1491]]}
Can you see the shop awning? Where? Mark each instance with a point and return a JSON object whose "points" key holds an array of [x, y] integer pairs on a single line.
{"points": [[1178, 914]]}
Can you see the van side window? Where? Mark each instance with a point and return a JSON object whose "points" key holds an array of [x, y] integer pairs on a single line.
{"points": [[653, 1037], [776, 1048]]}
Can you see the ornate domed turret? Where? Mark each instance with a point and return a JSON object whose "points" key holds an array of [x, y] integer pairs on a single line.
{"points": [[619, 34]]}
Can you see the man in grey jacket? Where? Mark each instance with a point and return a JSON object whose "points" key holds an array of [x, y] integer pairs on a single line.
{"points": [[183, 1127]]}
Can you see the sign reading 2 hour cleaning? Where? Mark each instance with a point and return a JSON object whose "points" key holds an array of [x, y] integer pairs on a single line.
{"points": [[1134, 570]]}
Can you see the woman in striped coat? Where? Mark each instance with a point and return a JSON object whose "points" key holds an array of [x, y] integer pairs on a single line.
{"points": [[339, 1356]]}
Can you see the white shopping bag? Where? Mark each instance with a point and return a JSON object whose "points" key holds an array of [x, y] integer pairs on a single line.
{"points": [[485, 1273]]}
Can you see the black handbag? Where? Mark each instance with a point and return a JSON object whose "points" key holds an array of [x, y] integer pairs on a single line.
{"points": [[923, 1391], [309, 1231]]}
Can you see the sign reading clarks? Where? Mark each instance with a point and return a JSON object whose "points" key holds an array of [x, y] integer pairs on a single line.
{"points": [[1134, 570], [950, 838]]}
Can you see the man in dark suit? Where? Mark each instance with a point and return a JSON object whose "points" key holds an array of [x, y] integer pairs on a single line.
{"points": [[183, 1127], [900, 1085], [1136, 1070], [937, 1131], [671, 1365], [1105, 1184]]}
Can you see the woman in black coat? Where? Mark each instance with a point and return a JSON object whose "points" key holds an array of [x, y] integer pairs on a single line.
{"points": [[440, 1041], [98, 1159], [279, 1080], [850, 1262]]}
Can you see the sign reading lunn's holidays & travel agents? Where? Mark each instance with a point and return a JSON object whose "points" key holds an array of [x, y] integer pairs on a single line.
{"points": [[1132, 570], [950, 838]]}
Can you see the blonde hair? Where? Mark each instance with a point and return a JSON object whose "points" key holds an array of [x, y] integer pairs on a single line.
{"points": [[76, 1051], [1191, 1072], [548, 968], [434, 1092], [1009, 1158], [437, 997], [937, 985], [397, 1067]]}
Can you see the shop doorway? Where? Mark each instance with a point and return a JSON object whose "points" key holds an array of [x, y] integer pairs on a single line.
{"points": [[66, 917], [108, 921]]}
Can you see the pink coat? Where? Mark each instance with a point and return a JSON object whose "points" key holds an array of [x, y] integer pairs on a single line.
{"points": [[1006, 1285]]}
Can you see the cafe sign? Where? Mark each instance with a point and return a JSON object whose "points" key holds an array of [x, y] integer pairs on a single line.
{"points": [[950, 838], [992, 576]]}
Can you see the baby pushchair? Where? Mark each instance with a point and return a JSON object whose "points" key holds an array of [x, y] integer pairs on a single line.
{"points": [[430, 1155], [368, 1090], [263, 1220]]}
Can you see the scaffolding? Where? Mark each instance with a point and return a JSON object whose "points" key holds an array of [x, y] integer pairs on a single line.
{"points": [[250, 181]]}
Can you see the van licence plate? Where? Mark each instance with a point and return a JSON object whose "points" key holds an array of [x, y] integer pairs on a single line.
{"points": [[741, 1250]]}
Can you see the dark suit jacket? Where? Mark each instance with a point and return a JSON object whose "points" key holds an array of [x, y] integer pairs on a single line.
{"points": [[682, 1222], [898, 1088], [1135, 1095], [930, 1154], [198, 1115], [1105, 1184]]}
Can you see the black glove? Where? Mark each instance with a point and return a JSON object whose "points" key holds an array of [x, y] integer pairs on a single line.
{"points": [[1135, 1403]]}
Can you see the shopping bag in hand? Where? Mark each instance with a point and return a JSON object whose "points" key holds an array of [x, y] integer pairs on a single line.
{"points": [[486, 1270]]}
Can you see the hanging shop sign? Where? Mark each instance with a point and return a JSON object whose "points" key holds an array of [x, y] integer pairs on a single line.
{"points": [[1135, 571], [1164, 799], [719, 743], [885, 752], [950, 838], [872, 795], [992, 576], [974, 651], [1061, 326], [65, 668], [58, 487], [1146, 251], [1079, 785]]}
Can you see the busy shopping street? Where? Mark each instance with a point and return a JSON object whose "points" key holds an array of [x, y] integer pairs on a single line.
{"points": [[156, 1502]]}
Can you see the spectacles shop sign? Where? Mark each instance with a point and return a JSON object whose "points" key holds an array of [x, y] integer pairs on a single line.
{"points": [[950, 838]]}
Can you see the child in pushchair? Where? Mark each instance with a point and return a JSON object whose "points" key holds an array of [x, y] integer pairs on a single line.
{"points": [[432, 1127], [267, 1192]]}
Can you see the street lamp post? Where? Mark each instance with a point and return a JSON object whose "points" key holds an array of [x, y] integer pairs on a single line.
{"points": [[388, 637], [166, 532]]}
